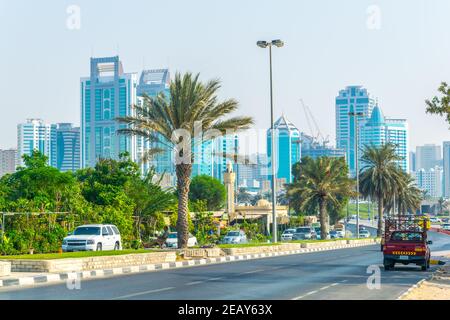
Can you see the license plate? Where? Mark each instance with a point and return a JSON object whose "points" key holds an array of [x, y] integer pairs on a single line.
{"points": [[403, 257]]}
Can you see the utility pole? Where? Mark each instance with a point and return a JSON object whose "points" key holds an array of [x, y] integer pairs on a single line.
{"points": [[356, 115], [264, 44]]}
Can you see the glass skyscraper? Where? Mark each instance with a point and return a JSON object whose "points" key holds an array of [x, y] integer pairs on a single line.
{"points": [[153, 82], [67, 147], [106, 94], [351, 99], [378, 131], [287, 148], [209, 156], [36, 135]]}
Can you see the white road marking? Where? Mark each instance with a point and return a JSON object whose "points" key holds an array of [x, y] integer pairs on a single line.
{"points": [[315, 291], [194, 282], [254, 271], [214, 279], [142, 293]]}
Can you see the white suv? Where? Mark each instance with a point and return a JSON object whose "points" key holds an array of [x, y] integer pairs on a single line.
{"points": [[93, 237]]}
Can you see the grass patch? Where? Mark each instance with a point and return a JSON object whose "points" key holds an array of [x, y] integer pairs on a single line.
{"points": [[79, 254], [363, 210]]}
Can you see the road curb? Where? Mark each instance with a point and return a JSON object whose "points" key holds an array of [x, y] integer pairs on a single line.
{"points": [[417, 285], [72, 277]]}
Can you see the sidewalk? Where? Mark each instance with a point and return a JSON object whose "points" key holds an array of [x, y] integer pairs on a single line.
{"points": [[19, 279], [437, 287]]}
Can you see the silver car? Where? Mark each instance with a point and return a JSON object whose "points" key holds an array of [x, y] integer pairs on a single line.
{"points": [[304, 233], [233, 237], [287, 234]]}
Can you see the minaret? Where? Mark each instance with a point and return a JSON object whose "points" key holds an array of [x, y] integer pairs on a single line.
{"points": [[229, 178]]}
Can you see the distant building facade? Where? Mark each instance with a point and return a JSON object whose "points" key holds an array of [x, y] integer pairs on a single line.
{"points": [[378, 131], [351, 99], [412, 161], [430, 181], [106, 94], [68, 147], [37, 135], [152, 83], [428, 156], [311, 148], [446, 165], [287, 148], [8, 160]]}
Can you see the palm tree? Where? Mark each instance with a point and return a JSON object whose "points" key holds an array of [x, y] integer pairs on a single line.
{"points": [[174, 120], [322, 182], [407, 195], [379, 175]]}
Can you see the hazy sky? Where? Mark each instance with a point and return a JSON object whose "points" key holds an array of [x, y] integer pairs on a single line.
{"points": [[329, 44]]}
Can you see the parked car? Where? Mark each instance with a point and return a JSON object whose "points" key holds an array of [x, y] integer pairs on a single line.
{"points": [[287, 234], [93, 237], [303, 233], [333, 234], [172, 240], [237, 236], [435, 220], [317, 230], [364, 233], [445, 226]]}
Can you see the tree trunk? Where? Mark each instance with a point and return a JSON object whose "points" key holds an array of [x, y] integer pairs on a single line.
{"points": [[183, 183], [324, 227], [380, 214]]}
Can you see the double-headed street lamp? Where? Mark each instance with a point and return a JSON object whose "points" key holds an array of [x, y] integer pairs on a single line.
{"points": [[264, 44], [356, 115]]}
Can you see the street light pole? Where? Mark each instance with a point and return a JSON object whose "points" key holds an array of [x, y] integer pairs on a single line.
{"points": [[279, 44], [356, 115]]}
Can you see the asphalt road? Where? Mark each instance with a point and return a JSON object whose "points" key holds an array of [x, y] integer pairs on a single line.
{"points": [[337, 274]]}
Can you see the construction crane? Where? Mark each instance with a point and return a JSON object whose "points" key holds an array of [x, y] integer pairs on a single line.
{"points": [[318, 137]]}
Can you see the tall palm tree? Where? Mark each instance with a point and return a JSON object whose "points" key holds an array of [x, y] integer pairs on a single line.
{"points": [[409, 197], [379, 175], [322, 182], [175, 120]]}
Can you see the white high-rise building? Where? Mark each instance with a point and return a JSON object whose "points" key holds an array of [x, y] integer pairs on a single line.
{"points": [[430, 181], [36, 135], [7, 161], [428, 156]]}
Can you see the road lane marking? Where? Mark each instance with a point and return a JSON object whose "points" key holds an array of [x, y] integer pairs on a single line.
{"points": [[254, 271], [142, 293], [214, 279], [194, 282]]}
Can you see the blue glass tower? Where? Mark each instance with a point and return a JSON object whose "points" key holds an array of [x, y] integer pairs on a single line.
{"points": [[378, 130], [287, 148], [67, 147], [351, 99], [108, 93], [151, 83]]}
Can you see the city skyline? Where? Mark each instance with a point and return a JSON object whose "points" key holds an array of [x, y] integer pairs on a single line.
{"points": [[398, 46]]}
